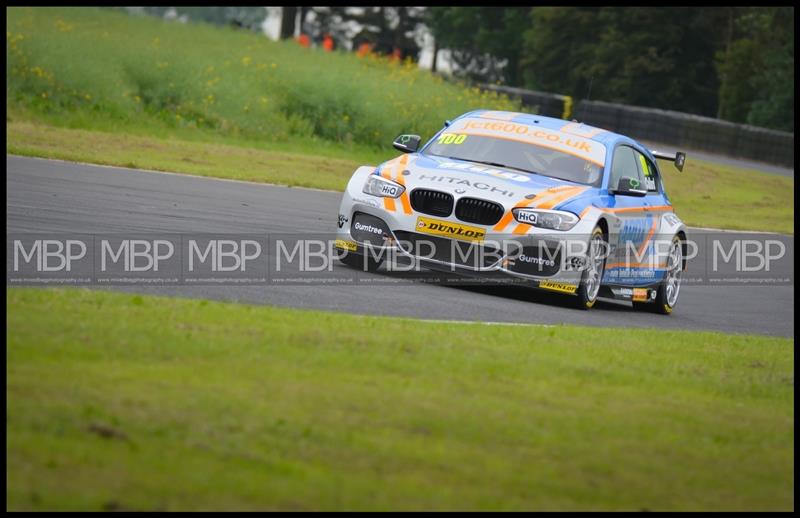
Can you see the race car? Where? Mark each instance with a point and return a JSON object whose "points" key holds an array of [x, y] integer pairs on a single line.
{"points": [[558, 205]]}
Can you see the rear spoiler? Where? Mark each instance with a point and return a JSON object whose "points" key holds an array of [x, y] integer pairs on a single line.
{"points": [[678, 158]]}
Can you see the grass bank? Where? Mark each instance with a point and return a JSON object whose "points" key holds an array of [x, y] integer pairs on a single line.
{"points": [[129, 402], [90, 68]]}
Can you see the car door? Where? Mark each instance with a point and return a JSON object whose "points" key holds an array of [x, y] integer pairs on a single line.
{"points": [[635, 223], [657, 205]]}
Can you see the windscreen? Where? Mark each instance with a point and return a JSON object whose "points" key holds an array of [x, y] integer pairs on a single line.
{"points": [[521, 152]]}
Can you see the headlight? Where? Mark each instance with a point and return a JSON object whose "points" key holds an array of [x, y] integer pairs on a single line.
{"points": [[552, 219], [379, 186]]}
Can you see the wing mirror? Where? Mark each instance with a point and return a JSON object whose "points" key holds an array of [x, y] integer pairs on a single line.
{"points": [[407, 143], [628, 186]]}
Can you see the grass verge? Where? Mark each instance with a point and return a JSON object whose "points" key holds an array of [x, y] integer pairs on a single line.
{"points": [[715, 195], [284, 165], [120, 401]]}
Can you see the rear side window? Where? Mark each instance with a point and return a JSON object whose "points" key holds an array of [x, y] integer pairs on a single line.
{"points": [[624, 164], [649, 171]]}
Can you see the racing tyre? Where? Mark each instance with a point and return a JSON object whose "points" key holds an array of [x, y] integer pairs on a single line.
{"points": [[589, 286], [670, 287], [360, 262]]}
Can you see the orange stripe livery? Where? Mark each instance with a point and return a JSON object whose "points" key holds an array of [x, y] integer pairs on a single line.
{"points": [[404, 200]]}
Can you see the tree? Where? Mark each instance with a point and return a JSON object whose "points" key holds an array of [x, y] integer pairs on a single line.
{"points": [[654, 56], [385, 28], [288, 19], [734, 63], [773, 106], [559, 49], [757, 68], [389, 28], [485, 42], [327, 20]]}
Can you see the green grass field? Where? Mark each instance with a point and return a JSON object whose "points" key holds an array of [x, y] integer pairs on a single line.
{"points": [[129, 402], [216, 102]]}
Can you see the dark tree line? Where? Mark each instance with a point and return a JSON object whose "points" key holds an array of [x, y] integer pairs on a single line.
{"points": [[736, 63]]}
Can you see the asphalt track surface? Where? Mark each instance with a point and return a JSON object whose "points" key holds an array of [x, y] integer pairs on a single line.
{"points": [[63, 197]]}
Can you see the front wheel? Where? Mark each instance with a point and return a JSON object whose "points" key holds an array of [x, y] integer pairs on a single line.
{"points": [[595, 267]]}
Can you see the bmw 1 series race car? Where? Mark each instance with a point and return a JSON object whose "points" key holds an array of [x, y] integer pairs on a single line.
{"points": [[560, 205]]}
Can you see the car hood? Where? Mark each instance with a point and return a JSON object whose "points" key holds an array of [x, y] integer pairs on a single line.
{"points": [[462, 178]]}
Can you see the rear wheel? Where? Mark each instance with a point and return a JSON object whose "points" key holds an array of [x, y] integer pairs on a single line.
{"points": [[667, 292], [670, 287], [593, 274]]}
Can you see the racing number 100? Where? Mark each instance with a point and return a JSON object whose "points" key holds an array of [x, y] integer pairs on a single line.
{"points": [[451, 138]]}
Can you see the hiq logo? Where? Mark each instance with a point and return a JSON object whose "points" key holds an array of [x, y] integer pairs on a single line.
{"points": [[389, 190], [49, 255]]}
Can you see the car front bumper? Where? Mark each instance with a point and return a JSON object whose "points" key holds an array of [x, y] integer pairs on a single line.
{"points": [[546, 259]]}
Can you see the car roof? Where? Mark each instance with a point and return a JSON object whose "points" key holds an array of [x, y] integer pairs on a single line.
{"points": [[608, 138]]}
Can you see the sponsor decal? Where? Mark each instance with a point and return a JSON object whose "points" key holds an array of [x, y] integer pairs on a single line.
{"points": [[558, 286], [451, 138], [342, 220], [482, 169], [526, 217], [635, 231], [452, 180], [649, 181], [622, 292], [368, 228], [345, 245], [575, 263], [565, 142], [640, 294], [535, 260], [390, 190], [447, 229]]}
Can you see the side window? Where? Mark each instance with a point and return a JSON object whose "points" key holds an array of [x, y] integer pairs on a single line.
{"points": [[624, 164], [650, 173]]}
